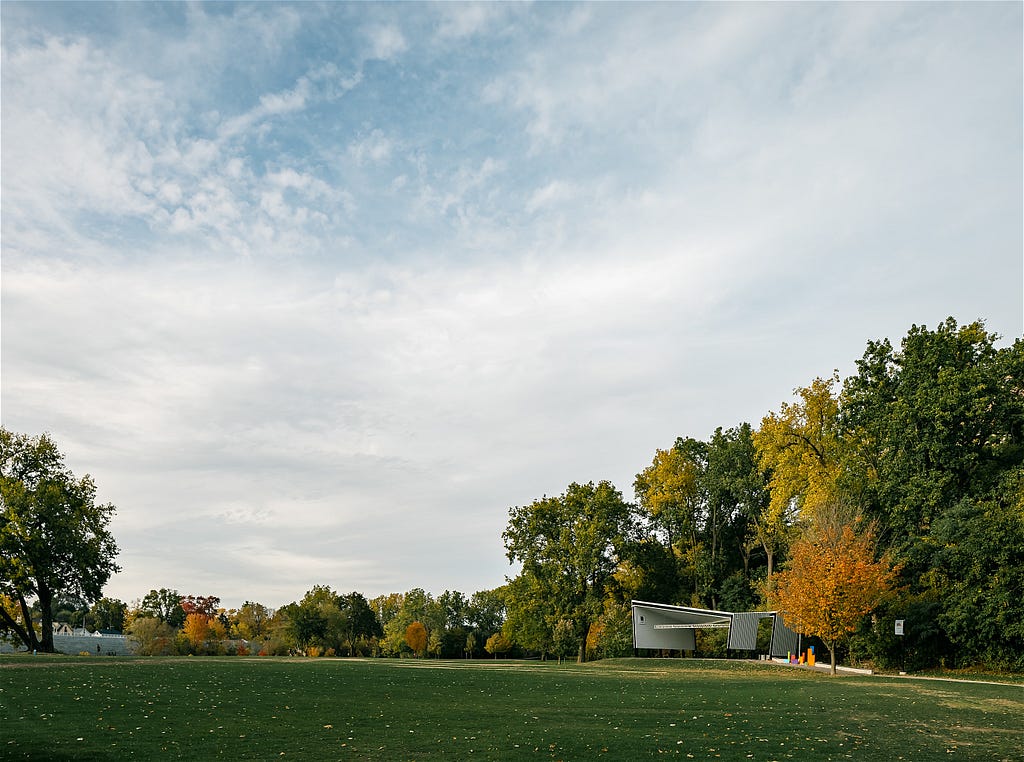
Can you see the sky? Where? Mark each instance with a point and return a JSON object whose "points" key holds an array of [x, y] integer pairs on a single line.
{"points": [[317, 292]]}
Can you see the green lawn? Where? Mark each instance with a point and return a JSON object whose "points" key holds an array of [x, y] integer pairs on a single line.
{"points": [[82, 708]]}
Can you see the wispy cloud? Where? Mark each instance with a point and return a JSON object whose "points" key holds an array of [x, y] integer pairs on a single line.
{"points": [[393, 269]]}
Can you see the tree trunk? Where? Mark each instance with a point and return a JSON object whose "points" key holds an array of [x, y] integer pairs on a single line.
{"points": [[46, 606], [581, 657], [832, 652], [27, 633]]}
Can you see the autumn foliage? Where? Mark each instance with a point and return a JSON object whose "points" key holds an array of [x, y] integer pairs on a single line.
{"points": [[197, 629], [416, 637], [205, 606], [831, 583]]}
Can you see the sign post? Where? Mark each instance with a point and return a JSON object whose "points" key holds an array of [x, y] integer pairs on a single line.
{"points": [[899, 631]]}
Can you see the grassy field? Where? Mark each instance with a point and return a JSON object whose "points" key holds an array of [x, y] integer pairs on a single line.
{"points": [[87, 708]]}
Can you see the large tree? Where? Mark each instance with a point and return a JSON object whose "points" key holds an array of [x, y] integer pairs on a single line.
{"points": [[832, 581], [163, 604], [108, 614], [570, 546], [54, 537], [801, 451], [938, 420], [357, 620]]}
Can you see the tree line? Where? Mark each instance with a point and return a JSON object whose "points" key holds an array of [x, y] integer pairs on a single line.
{"points": [[895, 493]]}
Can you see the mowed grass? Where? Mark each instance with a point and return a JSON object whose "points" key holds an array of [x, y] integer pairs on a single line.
{"points": [[87, 708]]}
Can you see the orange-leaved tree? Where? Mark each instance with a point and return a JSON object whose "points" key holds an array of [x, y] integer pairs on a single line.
{"points": [[832, 581], [416, 637]]}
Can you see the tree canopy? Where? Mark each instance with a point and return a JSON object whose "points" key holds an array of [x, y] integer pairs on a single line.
{"points": [[54, 536], [569, 547]]}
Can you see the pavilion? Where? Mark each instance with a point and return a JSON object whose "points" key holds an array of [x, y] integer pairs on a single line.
{"points": [[661, 626]]}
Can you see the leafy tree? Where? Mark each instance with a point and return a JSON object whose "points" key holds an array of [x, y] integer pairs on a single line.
{"points": [[197, 630], [357, 620], [649, 571], [108, 614], [615, 630], [205, 606], [386, 607], [163, 604], [498, 644], [65, 608], [668, 491], [530, 615], [486, 612], [306, 624], [454, 609], [569, 546], [435, 644], [564, 640], [416, 605], [151, 636], [738, 494], [416, 637], [831, 583], [252, 620], [801, 450], [979, 573], [54, 537], [938, 420]]}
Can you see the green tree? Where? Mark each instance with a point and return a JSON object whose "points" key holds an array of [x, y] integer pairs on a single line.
{"points": [[486, 612], [252, 620], [738, 493], [529, 619], [570, 545], [165, 605], [108, 614], [936, 421], [939, 427], [54, 537], [416, 605], [358, 620], [564, 640], [979, 571]]}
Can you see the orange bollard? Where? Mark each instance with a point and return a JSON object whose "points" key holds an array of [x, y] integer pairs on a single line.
{"points": [[810, 656]]}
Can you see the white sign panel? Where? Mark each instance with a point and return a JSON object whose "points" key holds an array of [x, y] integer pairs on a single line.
{"points": [[899, 626]]}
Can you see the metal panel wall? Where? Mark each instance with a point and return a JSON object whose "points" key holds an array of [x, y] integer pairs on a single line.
{"points": [[646, 636], [784, 640], [743, 631]]}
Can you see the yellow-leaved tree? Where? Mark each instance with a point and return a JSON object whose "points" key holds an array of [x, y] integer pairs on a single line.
{"points": [[416, 637], [197, 630], [831, 582], [801, 449]]}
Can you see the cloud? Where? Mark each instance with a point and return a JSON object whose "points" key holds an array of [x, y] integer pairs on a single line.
{"points": [[386, 42], [461, 20], [320, 309], [375, 147], [552, 194]]}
